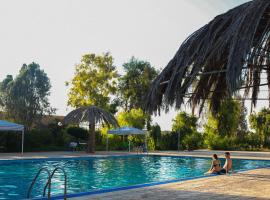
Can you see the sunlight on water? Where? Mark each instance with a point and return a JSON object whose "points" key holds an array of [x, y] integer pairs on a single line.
{"points": [[89, 174]]}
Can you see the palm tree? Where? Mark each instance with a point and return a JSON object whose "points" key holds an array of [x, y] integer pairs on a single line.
{"points": [[92, 115], [230, 53]]}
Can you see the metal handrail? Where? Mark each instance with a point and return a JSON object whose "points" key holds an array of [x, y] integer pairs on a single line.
{"points": [[49, 182], [34, 180]]}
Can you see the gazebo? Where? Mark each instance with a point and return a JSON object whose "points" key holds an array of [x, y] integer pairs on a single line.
{"points": [[126, 131], [9, 126]]}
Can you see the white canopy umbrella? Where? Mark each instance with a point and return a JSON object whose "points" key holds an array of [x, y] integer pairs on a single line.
{"points": [[9, 126], [126, 131]]}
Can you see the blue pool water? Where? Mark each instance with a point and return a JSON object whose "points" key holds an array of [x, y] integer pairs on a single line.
{"points": [[90, 174]]}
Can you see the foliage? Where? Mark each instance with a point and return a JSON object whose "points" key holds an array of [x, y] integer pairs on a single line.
{"points": [[134, 84], [193, 141], [10, 141], [150, 144], [36, 140], [134, 118], [155, 133], [260, 122], [186, 125], [77, 132], [94, 82], [242, 126], [225, 122], [168, 140], [25, 98], [225, 129]]}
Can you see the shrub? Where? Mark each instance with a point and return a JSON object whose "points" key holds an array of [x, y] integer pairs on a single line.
{"points": [[150, 144], [11, 141], [193, 141], [168, 140], [77, 132]]}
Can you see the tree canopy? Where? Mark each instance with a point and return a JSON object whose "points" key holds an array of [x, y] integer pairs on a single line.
{"points": [[94, 81], [135, 83], [226, 121], [260, 122], [186, 125], [134, 118], [25, 98]]}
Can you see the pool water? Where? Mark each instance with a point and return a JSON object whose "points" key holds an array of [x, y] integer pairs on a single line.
{"points": [[90, 174]]}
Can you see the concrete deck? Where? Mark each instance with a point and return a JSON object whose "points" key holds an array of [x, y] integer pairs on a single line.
{"points": [[253, 184]]}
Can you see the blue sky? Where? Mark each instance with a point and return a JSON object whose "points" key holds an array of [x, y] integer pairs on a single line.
{"points": [[56, 34]]}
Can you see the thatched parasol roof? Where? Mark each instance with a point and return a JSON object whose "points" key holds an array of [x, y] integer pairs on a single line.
{"points": [[229, 53], [90, 114]]}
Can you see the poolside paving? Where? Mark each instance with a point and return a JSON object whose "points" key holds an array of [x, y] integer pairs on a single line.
{"points": [[253, 184]]}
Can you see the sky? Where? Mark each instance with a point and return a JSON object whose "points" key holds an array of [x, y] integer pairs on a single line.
{"points": [[55, 34]]}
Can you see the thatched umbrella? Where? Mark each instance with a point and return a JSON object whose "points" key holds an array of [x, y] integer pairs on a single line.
{"points": [[92, 115], [228, 54]]}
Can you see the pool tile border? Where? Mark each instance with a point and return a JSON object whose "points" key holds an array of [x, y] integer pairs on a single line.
{"points": [[102, 191]]}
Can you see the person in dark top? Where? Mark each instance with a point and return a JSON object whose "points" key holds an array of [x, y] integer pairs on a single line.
{"points": [[215, 166]]}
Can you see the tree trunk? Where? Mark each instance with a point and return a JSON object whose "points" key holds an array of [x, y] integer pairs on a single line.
{"points": [[91, 138]]}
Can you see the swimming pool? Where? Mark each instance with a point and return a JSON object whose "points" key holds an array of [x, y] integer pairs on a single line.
{"points": [[86, 175]]}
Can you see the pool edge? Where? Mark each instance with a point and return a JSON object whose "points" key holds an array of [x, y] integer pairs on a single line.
{"points": [[102, 191]]}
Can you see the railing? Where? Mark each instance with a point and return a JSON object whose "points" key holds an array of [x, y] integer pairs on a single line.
{"points": [[49, 182], [65, 181], [35, 179]]}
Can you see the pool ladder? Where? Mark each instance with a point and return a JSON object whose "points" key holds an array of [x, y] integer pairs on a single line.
{"points": [[49, 182]]}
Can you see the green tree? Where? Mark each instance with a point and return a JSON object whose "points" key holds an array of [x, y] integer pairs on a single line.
{"points": [[134, 118], [135, 83], [260, 122], [25, 98], [94, 82], [155, 133], [242, 129], [226, 120], [228, 125], [186, 125]]}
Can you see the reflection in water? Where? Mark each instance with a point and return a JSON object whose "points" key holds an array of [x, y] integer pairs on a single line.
{"points": [[100, 173]]}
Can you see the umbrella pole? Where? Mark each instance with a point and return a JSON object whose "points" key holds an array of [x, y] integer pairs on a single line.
{"points": [[128, 145]]}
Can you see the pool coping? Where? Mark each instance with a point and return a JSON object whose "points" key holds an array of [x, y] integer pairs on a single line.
{"points": [[123, 188], [102, 191]]}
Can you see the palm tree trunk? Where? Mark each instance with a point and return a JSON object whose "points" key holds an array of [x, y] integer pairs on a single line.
{"points": [[91, 138]]}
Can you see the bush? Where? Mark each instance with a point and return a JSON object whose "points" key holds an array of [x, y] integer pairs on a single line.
{"points": [[77, 132], [44, 140], [193, 141], [168, 140], [11, 141], [150, 144]]}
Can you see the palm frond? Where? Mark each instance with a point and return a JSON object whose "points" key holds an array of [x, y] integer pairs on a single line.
{"points": [[90, 114], [215, 61]]}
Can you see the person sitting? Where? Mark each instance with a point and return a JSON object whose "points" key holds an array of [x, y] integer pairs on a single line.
{"points": [[228, 164], [215, 166]]}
